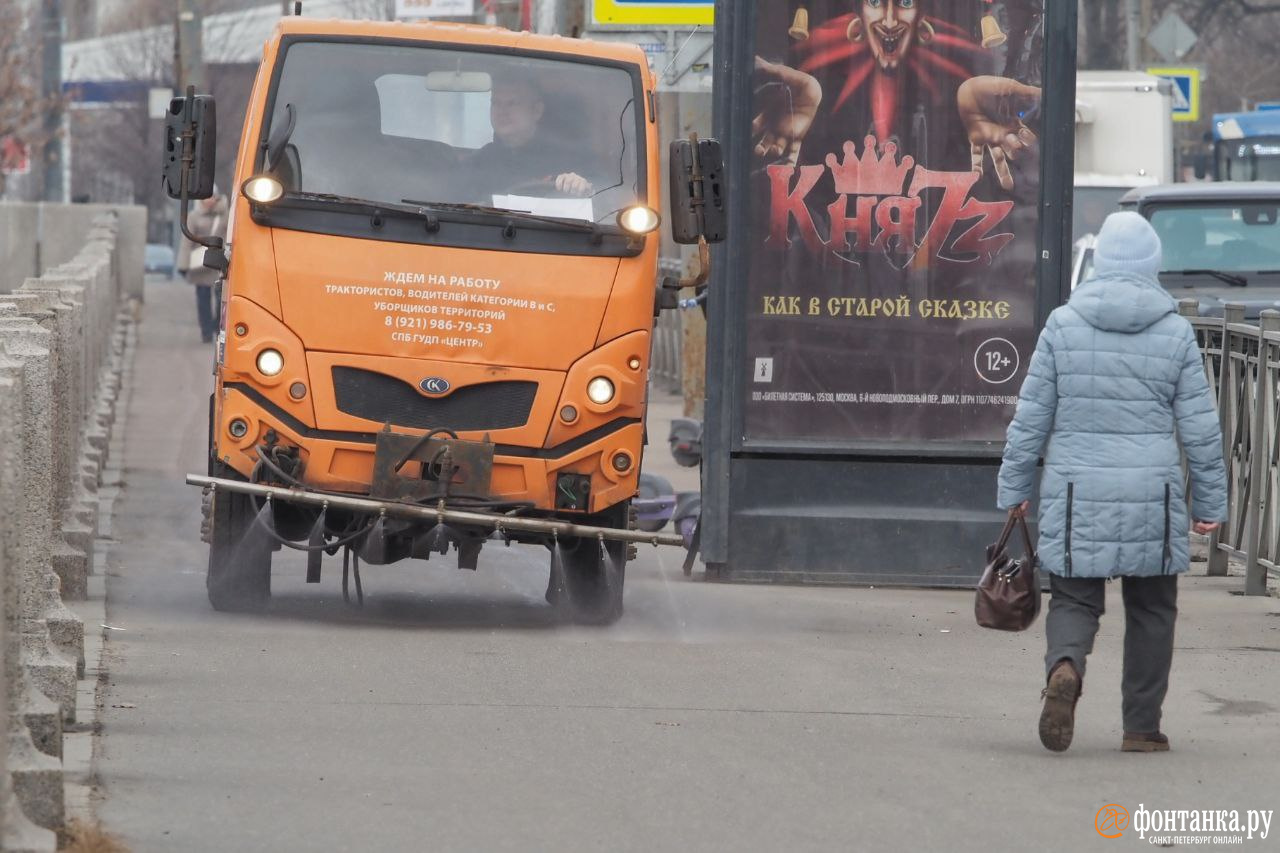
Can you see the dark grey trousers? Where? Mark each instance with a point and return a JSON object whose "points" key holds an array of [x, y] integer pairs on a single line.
{"points": [[1150, 609]]}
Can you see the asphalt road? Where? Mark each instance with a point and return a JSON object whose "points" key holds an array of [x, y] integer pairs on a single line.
{"points": [[452, 713]]}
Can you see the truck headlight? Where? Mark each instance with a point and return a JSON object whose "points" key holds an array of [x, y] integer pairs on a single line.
{"points": [[262, 189], [639, 220], [600, 390], [270, 362]]}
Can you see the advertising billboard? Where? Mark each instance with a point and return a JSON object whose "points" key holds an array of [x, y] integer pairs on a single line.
{"points": [[894, 194]]}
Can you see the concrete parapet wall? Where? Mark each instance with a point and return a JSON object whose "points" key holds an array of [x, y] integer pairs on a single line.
{"points": [[19, 243], [36, 237], [63, 341], [63, 234]]}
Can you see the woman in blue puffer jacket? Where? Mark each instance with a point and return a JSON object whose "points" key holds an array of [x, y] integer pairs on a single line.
{"points": [[1116, 382]]}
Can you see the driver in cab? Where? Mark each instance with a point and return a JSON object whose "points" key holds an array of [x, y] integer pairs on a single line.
{"points": [[521, 160]]}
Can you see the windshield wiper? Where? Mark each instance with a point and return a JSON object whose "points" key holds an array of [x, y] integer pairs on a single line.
{"points": [[426, 209], [574, 224], [363, 203], [1229, 278]]}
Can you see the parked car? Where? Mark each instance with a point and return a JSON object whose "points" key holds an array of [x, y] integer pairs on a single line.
{"points": [[1095, 197], [159, 259], [1221, 241], [1082, 259]]}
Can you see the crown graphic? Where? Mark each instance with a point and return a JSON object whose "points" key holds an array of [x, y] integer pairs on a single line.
{"points": [[870, 174]]}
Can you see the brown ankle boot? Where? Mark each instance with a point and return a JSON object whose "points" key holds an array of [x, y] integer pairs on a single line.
{"points": [[1144, 742], [1058, 719]]}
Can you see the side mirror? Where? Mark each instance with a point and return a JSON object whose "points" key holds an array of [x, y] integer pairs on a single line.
{"points": [[190, 134], [697, 193]]}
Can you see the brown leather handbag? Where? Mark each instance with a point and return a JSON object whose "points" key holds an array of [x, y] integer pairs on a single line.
{"points": [[1008, 597]]}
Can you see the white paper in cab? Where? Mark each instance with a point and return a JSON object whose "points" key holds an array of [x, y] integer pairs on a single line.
{"points": [[565, 208]]}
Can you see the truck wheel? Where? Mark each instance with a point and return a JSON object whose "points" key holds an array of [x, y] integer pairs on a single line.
{"points": [[593, 584], [239, 577]]}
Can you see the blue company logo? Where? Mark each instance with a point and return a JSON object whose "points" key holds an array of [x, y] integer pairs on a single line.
{"points": [[435, 386]]}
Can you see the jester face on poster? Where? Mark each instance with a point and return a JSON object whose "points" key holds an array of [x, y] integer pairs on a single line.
{"points": [[932, 86], [895, 159]]}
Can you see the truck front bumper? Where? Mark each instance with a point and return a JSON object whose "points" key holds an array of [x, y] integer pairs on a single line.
{"points": [[339, 461]]}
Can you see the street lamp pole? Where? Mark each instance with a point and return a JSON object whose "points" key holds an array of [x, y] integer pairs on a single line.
{"points": [[51, 91], [1147, 15], [189, 47], [556, 17], [1133, 28]]}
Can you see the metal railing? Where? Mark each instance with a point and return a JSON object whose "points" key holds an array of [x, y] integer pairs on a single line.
{"points": [[1242, 363]]}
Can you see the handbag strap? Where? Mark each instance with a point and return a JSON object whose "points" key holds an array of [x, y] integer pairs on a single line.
{"points": [[1003, 541], [1026, 538]]}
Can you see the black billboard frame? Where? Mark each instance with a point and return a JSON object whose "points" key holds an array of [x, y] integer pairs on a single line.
{"points": [[757, 522]]}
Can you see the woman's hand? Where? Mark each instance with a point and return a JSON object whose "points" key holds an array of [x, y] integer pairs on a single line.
{"points": [[1021, 510], [1204, 528]]}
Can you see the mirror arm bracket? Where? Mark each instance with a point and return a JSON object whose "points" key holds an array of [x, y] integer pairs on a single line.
{"points": [[699, 276]]}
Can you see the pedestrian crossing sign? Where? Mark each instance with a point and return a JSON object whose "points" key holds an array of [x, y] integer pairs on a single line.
{"points": [[1186, 91], [654, 13]]}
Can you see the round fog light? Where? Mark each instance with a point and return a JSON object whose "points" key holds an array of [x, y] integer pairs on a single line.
{"points": [[568, 414], [600, 390], [633, 362], [270, 362], [241, 330], [262, 189], [297, 390], [238, 428], [639, 220], [621, 462]]}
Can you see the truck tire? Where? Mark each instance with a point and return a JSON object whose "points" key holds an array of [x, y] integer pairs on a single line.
{"points": [[593, 584], [239, 576]]}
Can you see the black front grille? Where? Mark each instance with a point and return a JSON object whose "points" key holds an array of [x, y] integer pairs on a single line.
{"points": [[385, 399]]}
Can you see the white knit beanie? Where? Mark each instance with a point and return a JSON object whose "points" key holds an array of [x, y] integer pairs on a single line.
{"points": [[1127, 243]]}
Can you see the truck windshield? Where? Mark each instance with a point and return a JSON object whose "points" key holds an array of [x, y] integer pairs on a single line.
{"points": [[1231, 237], [1249, 160], [387, 122]]}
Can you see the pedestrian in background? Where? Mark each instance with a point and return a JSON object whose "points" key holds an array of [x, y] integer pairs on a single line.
{"points": [[1116, 382], [208, 218]]}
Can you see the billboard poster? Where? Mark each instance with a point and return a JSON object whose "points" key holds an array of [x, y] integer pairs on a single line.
{"points": [[894, 197]]}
